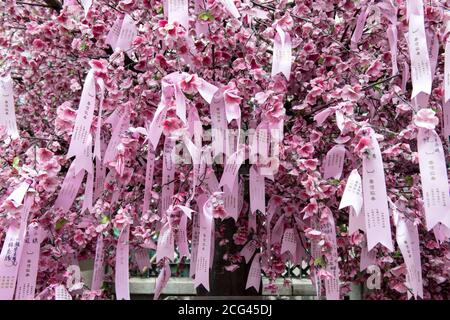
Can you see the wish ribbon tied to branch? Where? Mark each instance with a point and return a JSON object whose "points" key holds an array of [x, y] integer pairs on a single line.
{"points": [[353, 198], [282, 53], [28, 268], [418, 52], [122, 33], [434, 178], [7, 108], [378, 225], [407, 237], [334, 162], [11, 253], [81, 137], [177, 11], [203, 262], [99, 268], [122, 265], [359, 28], [446, 97], [328, 228], [174, 87]]}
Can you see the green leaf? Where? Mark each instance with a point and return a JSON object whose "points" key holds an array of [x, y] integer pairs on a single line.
{"points": [[104, 220], [15, 163], [116, 232], [320, 262], [334, 182], [206, 16], [409, 180], [60, 223], [83, 46]]}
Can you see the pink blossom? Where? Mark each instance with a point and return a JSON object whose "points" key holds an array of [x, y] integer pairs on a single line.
{"points": [[351, 93], [426, 118], [190, 83], [374, 70], [363, 143], [38, 44], [44, 155], [310, 209]]}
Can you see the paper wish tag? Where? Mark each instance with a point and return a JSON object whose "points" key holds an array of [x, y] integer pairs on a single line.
{"points": [[178, 11], [282, 54], [7, 109], [420, 60], [376, 210], [433, 175], [353, 193], [28, 268], [334, 162]]}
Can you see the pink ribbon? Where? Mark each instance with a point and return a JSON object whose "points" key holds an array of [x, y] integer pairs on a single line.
{"points": [[368, 258], [114, 32], [12, 252], [7, 109], [178, 11], [282, 53], [28, 268], [393, 40], [277, 231], [390, 12], [231, 169], [200, 26], [407, 237], [142, 259], [161, 281], [418, 52], [69, 189], [165, 246], [168, 175], [334, 162], [99, 271], [128, 32], [231, 200], [257, 191], [360, 22], [205, 243], [172, 88], [328, 228], [352, 195], [248, 250], [231, 8], [289, 243], [120, 122], [122, 265], [433, 175], [446, 102], [376, 208], [195, 238], [150, 167], [81, 137], [254, 274], [218, 123], [433, 45]]}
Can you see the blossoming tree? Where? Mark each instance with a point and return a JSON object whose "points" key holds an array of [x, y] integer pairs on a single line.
{"points": [[238, 135]]}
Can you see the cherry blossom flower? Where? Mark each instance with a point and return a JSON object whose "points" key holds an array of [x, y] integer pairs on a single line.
{"points": [[426, 118]]}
